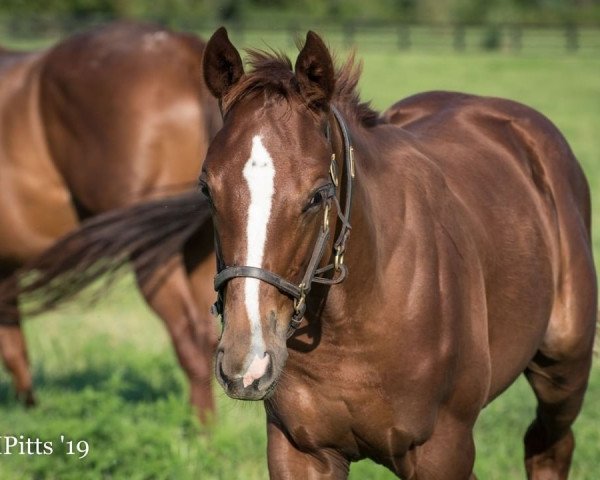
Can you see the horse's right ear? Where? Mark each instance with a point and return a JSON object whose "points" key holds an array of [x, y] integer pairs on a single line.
{"points": [[222, 64]]}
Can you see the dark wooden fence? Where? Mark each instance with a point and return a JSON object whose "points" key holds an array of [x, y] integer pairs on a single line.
{"points": [[512, 38], [508, 38]]}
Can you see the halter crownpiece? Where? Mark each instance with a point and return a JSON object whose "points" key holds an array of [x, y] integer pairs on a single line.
{"points": [[313, 274]]}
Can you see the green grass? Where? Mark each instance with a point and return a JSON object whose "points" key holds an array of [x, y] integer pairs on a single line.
{"points": [[108, 375]]}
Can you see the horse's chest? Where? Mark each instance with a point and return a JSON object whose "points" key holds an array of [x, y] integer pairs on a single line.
{"points": [[356, 421]]}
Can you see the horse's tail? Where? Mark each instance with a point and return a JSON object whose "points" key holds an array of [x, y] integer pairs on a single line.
{"points": [[146, 235]]}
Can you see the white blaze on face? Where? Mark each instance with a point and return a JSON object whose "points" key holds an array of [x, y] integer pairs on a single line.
{"points": [[259, 173]]}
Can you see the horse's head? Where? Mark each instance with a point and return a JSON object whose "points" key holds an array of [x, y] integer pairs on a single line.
{"points": [[267, 174]]}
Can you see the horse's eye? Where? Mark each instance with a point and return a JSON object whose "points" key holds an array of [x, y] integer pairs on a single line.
{"points": [[205, 191], [317, 199]]}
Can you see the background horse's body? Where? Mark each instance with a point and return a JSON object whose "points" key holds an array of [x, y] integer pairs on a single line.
{"points": [[100, 121]]}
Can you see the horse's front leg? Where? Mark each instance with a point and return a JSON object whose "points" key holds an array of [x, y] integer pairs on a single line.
{"points": [[286, 462], [449, 453]]}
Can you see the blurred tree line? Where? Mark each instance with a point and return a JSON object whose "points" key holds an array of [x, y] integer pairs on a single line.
{"points": [[425, 11]]}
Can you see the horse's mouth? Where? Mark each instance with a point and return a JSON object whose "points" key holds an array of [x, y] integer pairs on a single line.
{"points": [[270, 390], [252, 393], [259, 389]]}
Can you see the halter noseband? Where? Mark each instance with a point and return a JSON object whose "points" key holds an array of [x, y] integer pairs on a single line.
{"points": [[313, 274]]}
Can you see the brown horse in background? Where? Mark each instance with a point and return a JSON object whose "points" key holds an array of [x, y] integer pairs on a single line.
{"points": [[97, 122], [382, 277]]}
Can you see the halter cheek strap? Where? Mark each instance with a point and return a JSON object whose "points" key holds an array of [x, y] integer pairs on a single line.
{"points": [[313, 274]]}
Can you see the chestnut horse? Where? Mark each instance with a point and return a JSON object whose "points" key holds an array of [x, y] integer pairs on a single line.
{"points": [[469, 262], [382, 277], [101, 120]]}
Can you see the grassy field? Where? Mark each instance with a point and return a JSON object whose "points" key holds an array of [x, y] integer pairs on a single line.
{"points": [[108, 376]]}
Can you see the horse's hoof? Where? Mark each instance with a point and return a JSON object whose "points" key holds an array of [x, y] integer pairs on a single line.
{"points": [[26, 398]]}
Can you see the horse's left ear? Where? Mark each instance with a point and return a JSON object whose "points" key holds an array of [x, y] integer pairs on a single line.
{"points": [[314, 71]]}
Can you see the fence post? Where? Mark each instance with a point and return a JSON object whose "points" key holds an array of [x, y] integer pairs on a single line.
{"points": [[349, 30], [571, 38], [294, 32], [516, 36], [404, 37], [459, 38], [237, 29]]}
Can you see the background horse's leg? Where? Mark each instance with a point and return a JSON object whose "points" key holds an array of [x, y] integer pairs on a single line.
{"points": [[184, 307], [559, 374], [13, 351]]}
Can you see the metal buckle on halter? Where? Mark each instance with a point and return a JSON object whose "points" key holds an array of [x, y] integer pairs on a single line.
{"points": [[333, 171], [300, 301], [338, 260], [326, 218]]}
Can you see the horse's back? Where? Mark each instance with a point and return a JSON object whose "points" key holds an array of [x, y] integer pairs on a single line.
{"points": [[127, 112], [527, 204], [546, 156]]}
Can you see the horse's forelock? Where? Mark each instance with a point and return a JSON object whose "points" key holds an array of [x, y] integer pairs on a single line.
{"points": [[271, 71]]}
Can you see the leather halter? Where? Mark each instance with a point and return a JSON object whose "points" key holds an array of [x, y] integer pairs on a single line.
{"points": [[313, 274]]}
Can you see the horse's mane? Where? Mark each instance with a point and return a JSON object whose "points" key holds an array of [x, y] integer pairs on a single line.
{"points": [[271, 72]]}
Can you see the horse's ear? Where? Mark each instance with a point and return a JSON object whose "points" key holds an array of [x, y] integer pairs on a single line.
{"points": [[222, 63], [314, 71]]}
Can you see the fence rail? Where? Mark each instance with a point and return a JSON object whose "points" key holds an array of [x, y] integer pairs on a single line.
{"points": [[509, 38]]}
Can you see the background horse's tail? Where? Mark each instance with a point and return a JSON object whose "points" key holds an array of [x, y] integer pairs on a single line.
{"points": [[146, 235]]}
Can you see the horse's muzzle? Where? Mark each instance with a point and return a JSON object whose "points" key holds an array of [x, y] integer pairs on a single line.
{"points": [[247, 387]]}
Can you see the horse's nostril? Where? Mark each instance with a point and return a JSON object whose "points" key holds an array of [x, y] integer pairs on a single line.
{"points": [[220, 373], [223, 376]]}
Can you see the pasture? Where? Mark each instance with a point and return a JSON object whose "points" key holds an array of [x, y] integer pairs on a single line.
{"points": [[107, 374]]}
